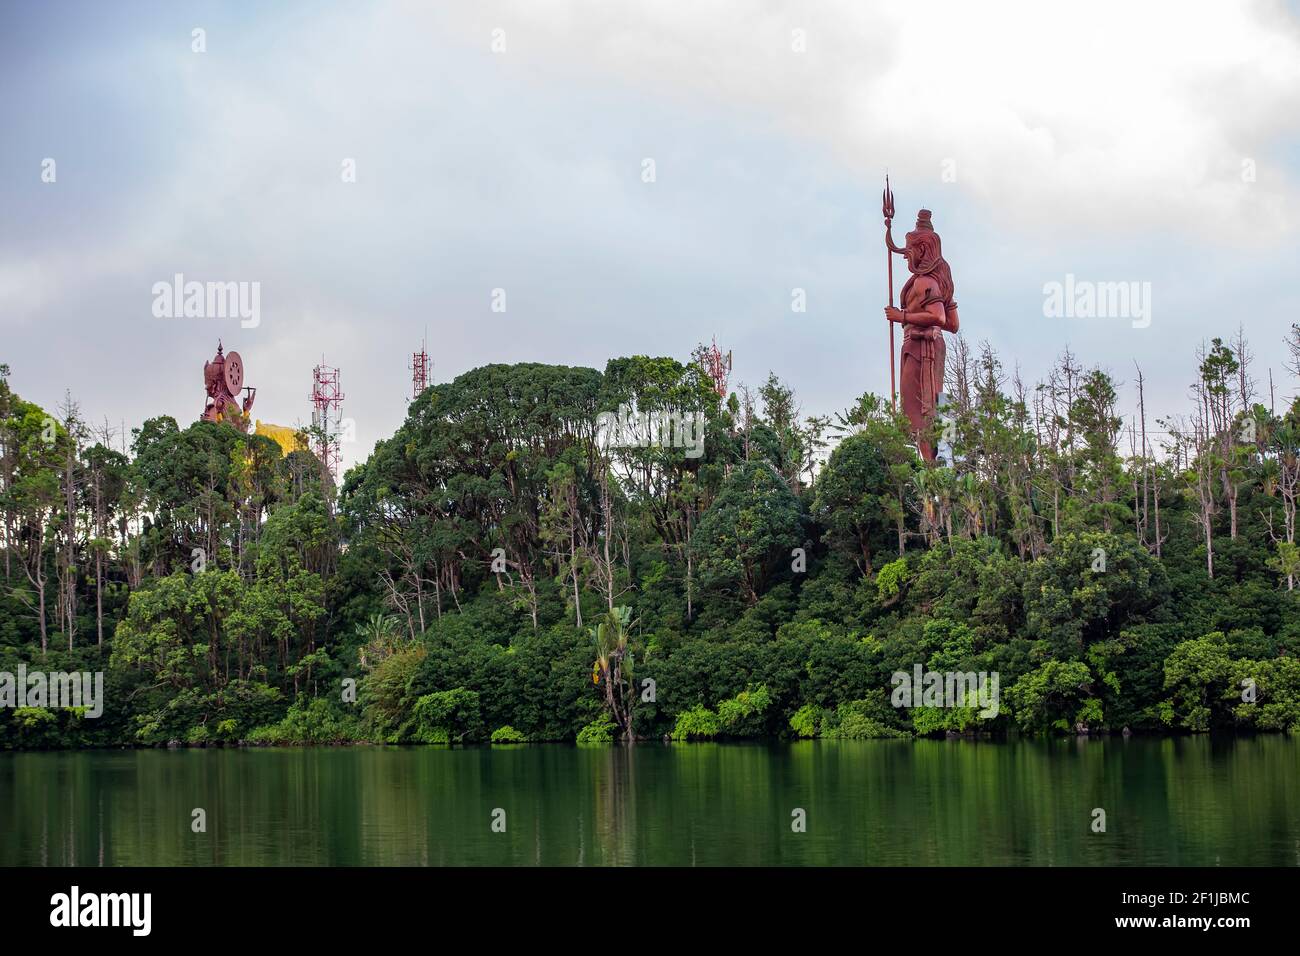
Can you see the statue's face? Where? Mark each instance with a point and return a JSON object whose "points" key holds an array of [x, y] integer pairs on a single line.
{"points": [[913, 252], [921, 251]]}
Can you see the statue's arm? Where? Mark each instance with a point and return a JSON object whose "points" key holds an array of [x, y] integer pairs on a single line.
{"points": [[889, 239], [933, 314]]}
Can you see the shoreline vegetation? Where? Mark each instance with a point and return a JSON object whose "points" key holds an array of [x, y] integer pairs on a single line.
{"points": [[497, 572], [266, 741]]}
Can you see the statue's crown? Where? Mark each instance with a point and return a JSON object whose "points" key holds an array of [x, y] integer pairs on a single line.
{"points": [[923, 220]]}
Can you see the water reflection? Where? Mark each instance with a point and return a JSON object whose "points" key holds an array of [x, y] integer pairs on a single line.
{"points": [[1190, 801]]}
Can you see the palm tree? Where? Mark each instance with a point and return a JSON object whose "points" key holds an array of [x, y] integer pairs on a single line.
{"points": [[613, 666], [970, 495], [380, 636]]}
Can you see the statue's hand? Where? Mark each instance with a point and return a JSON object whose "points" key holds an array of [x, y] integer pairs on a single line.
{"points": [[894, 315]]}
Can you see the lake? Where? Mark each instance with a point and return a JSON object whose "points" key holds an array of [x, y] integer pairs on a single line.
{"points": [[1176, 801]]}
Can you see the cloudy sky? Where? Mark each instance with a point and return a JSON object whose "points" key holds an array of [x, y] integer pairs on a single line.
{"points": [[503, 145]]}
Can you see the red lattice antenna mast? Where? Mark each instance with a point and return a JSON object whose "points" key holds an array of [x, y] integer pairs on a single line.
{"points": [[719, 368], [326, 399], [420, 367]]}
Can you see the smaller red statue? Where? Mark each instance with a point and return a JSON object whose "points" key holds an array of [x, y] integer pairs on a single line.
{"points": [[928, 310], [223, 378]]}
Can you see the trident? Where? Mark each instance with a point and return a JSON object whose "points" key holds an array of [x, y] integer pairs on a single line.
{"points": [[888, 209]]}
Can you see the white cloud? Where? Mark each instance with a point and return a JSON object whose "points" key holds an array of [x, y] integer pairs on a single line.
{"points": [[1078, 115]]}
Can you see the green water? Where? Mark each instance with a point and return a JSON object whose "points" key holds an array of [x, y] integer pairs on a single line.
{"points": [[1173, 801]]}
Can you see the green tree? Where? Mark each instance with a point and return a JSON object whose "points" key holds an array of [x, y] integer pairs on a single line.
{"points": [[750, 526]]}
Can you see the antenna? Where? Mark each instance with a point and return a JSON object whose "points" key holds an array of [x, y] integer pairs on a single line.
{"points": [[420, 367], [718, 366], [326, 399]]}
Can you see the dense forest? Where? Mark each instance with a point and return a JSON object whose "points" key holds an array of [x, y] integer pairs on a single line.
{"points": [[495, 571]]}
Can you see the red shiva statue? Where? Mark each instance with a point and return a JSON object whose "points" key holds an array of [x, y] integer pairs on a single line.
{"points": [[927, 310]]}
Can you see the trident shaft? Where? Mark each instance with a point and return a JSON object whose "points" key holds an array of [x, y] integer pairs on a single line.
{"points": [[888, 209]]}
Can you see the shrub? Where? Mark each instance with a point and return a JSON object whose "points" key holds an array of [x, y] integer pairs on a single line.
{"points": [[1053, 697], [1196, 675], [854, 721], [35, 727], [599, 731], [1276, 693], [448, 716], [742, 715], [805, 720], [698, 722], [308, 721], [383, 691]]}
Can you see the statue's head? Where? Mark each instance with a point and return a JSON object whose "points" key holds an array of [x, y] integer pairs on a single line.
{"points": [[924, 254], [923, 249]]}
